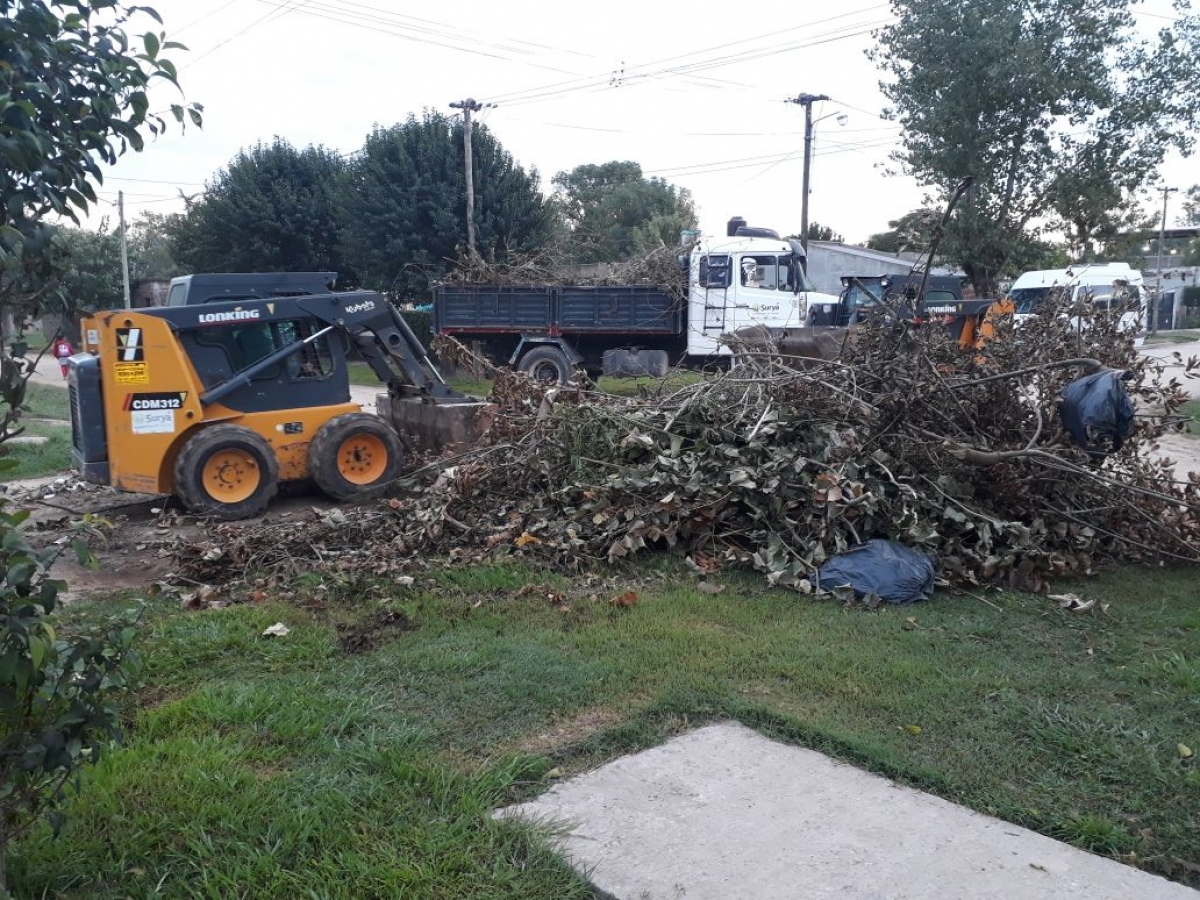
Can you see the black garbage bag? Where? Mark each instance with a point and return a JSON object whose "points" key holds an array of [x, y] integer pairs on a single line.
{"points": [[1097, 412], [897, 574]]}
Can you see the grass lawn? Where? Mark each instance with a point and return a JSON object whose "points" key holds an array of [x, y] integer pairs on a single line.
{"points": [[1192, 409], [44, 403], [39, 459], [1181, 336], [360, 755]]}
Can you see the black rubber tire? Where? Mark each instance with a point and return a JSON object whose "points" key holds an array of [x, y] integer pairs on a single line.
{"points": [[324, 466], [547, 365], [200, 448]]}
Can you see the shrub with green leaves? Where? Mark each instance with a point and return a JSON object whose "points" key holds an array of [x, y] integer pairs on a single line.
{"points": [[59, 693]]}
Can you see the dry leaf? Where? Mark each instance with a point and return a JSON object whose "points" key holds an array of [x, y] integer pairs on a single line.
{"points": [[526, 539], [1184, 751], [627, 599], [707, 587], [277, 630], [912, 729]]}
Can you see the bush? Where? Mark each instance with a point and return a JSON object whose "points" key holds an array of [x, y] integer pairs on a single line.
{"points": [[421, 322], [58, 693]]}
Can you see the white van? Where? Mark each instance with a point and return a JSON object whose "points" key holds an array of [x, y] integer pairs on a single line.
{"points": [[1104, 284]]}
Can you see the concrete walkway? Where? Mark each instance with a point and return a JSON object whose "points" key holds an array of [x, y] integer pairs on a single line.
{"points": [[723, 812]]}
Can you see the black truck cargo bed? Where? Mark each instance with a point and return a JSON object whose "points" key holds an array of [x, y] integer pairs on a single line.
{"points": [[608, 309]]}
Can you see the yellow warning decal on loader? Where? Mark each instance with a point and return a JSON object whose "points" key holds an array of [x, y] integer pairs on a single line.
{"points": [[131, 373]]}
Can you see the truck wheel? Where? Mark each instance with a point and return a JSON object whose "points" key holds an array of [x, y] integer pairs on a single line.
{"points": [[354, 456], [546, 364], [227, 471]]}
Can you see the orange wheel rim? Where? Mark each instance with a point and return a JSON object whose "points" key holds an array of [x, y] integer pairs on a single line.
{"points": [[362, 459], [231, 476]]}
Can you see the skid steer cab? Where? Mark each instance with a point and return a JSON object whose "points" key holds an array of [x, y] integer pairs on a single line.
{"points": [[219, 402]]}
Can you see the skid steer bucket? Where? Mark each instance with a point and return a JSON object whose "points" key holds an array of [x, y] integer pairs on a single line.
{"points": [[425, 426]]}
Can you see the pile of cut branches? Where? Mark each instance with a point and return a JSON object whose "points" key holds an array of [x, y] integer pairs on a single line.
{"points": [[660, 268], [904, 436]]}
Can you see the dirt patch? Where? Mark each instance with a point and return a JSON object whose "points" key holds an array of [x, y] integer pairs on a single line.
{"points": [[362, 637], [570, 731]]}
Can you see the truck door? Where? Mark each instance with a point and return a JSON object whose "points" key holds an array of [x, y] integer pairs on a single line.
{"points": [[764, 292]]}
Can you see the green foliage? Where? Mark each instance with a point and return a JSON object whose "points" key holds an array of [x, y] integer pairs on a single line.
{"points": [[819, 232], [58, 692], [73, 96], [150, 255], [421, 323], [912, 231], [405, 206], [1055, 108], [274, 208], [613, 212], [1191, 216]]}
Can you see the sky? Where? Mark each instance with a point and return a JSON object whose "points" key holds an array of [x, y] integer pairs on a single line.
{"points": [[695, 93]]}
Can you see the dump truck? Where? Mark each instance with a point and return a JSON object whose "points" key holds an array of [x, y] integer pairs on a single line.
{"points": [[748, 277], [241, 383]]}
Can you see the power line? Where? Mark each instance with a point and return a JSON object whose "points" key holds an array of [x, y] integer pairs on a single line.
{"points": [[277, 13], [607, 83], [410, 33], [585, 81]]}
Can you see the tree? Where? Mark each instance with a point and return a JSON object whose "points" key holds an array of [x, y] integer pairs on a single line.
{"points": [[819, 232], [274, 208], [913, 231], [405, 210], [89, 264], [73, 96], [150, 253], [1191, 216], [613, 212], [1055, 108], [1191, 206]]}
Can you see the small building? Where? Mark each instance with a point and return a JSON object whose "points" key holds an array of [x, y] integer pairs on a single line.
{"points": [[149, 292], [829, 262]]}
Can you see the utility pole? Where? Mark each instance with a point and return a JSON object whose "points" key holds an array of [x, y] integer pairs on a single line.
{"points": [[1162, 235], [469, 106], [124, 247], [807, 101]]}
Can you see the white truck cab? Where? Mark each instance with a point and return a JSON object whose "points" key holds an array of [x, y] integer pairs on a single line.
{"points": [[749, 277]]}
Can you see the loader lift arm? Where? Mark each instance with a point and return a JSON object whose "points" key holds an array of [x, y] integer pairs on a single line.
{"points": [[394, 353], [376, 329]]}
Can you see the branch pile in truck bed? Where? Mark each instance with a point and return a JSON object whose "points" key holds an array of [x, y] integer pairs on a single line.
{"points": [[904, 436], [660, 268]]}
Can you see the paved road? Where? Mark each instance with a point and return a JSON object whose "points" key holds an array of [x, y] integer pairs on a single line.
{"points": [[1166, 352]]}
